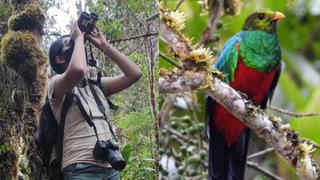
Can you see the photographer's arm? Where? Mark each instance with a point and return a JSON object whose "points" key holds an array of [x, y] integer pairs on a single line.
{"points": [[76, 69], [131, 71]]}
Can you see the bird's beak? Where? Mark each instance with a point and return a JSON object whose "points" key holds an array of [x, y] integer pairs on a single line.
{"points": [[278, 16]]}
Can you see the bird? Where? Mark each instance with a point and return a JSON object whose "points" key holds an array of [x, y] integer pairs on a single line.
{"points": [[251, 63]]}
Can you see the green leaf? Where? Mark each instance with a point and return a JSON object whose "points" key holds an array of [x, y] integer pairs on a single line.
{"points": [[126, 152], [195, 159], [149, 169], [149, 159]]}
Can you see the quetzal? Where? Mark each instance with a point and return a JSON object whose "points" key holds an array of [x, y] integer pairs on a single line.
{"points": [[250, 61]]}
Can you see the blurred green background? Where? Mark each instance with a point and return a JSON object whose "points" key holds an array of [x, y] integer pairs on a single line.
{"points": [[298, 89]]}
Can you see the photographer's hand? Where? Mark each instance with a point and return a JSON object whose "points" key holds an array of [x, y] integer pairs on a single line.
{"points": [[75, 32], [98, 39], [132, 72]]}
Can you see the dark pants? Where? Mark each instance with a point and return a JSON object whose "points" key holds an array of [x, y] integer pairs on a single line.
{"points": [[84, 171]]}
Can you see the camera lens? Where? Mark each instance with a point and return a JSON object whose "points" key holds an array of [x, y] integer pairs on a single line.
{"points": [[83, 20], [94, 16], [115, 160]]}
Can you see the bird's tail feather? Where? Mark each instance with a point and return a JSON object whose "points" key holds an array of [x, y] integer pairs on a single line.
{"points": [[225, 162], [237, 156]]}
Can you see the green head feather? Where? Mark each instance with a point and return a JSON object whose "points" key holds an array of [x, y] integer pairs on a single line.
{"points": [[263, 20]]}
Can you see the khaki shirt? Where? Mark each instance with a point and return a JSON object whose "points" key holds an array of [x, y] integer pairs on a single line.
{"points": [[79, 137]]}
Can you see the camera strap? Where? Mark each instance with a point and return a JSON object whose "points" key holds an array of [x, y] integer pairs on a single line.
{"points": [[101, 107], [92, 62], [87, 118]]}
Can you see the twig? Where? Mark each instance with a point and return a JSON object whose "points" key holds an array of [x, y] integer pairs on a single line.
{"points": [[267, 173], [178, 5], [294, 114], [180, 136], [152, 17], [311, 142], [215, 15], [166, 108], [170, 60], [260, 153], [135, 37], [135, 16]]}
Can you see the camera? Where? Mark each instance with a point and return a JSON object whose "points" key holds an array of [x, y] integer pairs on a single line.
{"points": [[86, 21], [108, 151]]}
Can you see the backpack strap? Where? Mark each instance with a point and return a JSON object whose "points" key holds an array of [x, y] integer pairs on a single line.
{"points": [[59, 144]]}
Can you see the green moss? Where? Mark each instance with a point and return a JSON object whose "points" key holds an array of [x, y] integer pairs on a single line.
{"points": [[5, 10], [4, 148], [5, 13], [9, 159], [21, 51], [31, 19]]}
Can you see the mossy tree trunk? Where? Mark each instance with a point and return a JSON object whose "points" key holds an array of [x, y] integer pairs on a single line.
{"points": [[22, 88]]}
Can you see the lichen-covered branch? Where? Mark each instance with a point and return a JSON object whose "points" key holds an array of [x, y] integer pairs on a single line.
{"points": [[198, 74]]}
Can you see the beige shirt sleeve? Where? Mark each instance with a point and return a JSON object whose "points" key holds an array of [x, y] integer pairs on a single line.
{"points": [[54, 102]]}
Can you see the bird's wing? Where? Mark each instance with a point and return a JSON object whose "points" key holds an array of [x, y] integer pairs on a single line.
{"points": [[227, 62], [272, 87]]}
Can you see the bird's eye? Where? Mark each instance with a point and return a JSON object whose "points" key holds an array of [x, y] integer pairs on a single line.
{"points": [[260, 16]]}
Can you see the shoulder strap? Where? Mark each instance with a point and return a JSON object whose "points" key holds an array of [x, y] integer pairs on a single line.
{"points": [[85, 115], [59, 144], [101, 107], [98, 83]]}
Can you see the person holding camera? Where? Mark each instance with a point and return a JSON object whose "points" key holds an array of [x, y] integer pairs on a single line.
{"points": [[68, 59]]}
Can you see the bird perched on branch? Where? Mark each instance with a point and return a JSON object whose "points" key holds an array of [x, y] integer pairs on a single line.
{"points": [[251, 63]]}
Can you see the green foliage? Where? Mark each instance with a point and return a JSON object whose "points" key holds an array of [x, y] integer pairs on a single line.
{"points": [[138, 128], [189, 153], [135, 124], [308, 127], [126, 152], [5, 10], [291, 90]]}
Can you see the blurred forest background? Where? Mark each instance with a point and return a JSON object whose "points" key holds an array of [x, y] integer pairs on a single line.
{"points": [[132, 27], [183, 146]]}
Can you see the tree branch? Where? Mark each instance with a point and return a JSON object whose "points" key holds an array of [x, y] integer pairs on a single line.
{"points": [[284, 140], [267, 173], [180, 136], [135, 37], [178, 5], [170, 60], [212, 24], [294, 114], [260, 153]]}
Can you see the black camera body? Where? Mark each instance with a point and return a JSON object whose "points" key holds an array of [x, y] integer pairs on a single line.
{"points": [[108, 151], [86, 21]]}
